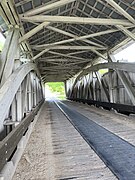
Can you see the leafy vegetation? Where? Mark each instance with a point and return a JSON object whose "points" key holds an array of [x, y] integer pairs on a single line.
{"points": [[57, 88], [1, 46], [2, 41], [103, 71]]}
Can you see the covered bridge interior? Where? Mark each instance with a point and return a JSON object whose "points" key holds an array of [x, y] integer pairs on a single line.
{"points": [[67, 41]]}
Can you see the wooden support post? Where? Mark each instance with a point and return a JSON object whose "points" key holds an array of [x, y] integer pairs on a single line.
{"points": [[78, 88], [19, 104], [102, 86], [117, 90], [5, 50], [32, 89], [14, 109], [111, 86], [127, 85], [129, 89], [93, 85], [86, 88], [29, 93], [66, 90], [11, 56], [24, 95], [90, 92], [35, 91]]}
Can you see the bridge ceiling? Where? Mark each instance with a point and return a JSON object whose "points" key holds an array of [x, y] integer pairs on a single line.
{"points": [[56, 49]]}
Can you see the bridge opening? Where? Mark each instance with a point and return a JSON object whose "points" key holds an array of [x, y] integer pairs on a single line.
{"points": [[2, 41], [126, 54], [55, 90], [103, 71]]}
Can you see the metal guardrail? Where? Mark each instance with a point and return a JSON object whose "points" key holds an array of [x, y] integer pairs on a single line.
{"points": [[9, 143], [121, 108]]}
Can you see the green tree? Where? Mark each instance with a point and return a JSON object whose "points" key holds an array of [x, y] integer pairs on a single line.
{"points": [[57, 88]]}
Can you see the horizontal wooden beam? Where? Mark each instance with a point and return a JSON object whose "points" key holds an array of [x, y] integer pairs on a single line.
{"points": [[76, 20], [44, 8], [60, 67], [62, 60], [40, 47]]}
